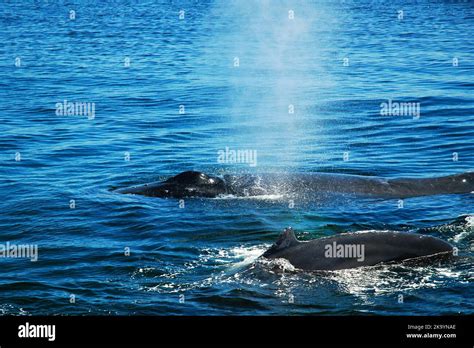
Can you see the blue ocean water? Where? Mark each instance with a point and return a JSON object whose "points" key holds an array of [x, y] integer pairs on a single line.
{"points": [[174, 82]]}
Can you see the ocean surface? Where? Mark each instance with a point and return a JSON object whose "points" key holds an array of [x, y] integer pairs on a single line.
{"points": [[171, 83]]}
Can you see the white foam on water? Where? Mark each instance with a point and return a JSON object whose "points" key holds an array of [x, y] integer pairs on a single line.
{"points": [[388, 279], [469, 225], [448, 273], [460, 236], [470, 220], [282, 264], [273, 197], [247, 255]]}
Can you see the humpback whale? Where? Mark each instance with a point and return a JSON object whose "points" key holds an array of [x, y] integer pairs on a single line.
{"points": [[197, 184], [351, 250]]}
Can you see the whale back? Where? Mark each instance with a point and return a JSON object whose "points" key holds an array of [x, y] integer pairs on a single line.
{"points": [[190, 178], [350, 250], [451, 184], [194, 184], [457, 183], [186, 184], [308, 185]]}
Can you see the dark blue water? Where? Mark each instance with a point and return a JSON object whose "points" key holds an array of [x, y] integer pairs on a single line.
{"points": [[138, 62]]}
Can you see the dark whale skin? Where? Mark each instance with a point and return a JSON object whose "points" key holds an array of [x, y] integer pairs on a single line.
{"points": [[379, 247], [184, 185], [196, 184]]}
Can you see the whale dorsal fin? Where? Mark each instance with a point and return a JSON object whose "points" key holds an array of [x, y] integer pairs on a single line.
{"points": [[287, 239]]}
